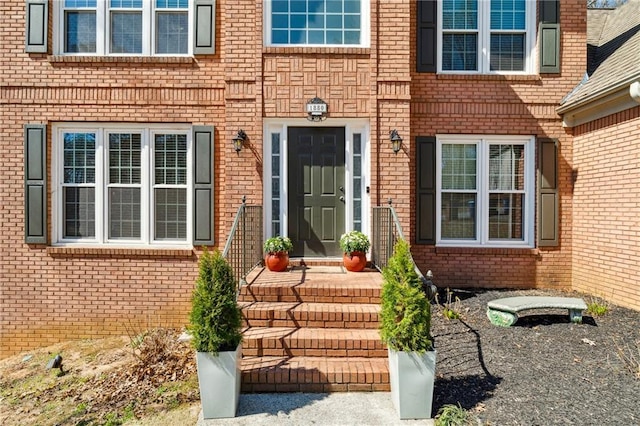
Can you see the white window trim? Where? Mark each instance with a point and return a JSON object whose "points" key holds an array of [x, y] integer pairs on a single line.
{"points": [[482, 212], [484, 35], [365, 30], [102, 130], [351, 126], [103, 30]]}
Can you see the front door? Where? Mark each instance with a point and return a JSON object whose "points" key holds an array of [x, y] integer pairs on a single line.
{"points": [[316, 190]]}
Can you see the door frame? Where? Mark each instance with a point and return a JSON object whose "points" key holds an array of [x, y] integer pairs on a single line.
{"points": [[280, 126]]}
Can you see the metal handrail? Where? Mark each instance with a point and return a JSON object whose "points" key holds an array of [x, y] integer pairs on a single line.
{"points": [[386, 231], [243, 249]]}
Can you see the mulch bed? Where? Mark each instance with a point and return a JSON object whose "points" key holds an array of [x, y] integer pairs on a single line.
{"points": [[543, 370]]}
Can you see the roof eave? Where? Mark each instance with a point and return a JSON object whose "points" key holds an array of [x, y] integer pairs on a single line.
{"points": [[606, 102]]}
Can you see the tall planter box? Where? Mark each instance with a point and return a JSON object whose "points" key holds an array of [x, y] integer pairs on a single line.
{"points": [[412, 377], [219, 379]]}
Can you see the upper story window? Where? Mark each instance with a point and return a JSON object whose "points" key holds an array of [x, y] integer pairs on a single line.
{"points": [[485, 190], [317, 23], [124, 27], [496, 36]]}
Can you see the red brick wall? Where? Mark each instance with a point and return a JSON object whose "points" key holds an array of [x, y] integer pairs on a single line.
{"points": [[520, 105], [606, 245], [50, 294]]}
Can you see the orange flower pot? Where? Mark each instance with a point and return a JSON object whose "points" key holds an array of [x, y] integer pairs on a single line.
{"points": [[355, 262], [277, 262]]}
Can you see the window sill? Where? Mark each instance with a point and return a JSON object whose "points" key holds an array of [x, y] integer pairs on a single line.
{"points": [[76, 59], [316, 50], [490, 77], [489, 251], [111, 252]]}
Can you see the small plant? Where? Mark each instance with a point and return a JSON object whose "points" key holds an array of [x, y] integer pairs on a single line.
{"points": [[406, 312], [215, 319], [450, 310], [278, 244], [452, 415], [354, 241], [630, 356], [596, 308]]}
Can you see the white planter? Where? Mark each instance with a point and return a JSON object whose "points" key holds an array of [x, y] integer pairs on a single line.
{"points": [[412, 376], [219, 379]]}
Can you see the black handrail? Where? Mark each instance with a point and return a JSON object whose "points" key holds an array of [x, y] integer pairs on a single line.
{"points": [[243, 249], [386, 231]]}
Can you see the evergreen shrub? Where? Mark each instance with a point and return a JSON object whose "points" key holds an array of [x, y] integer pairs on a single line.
{"points": [[215, 318], [406, 311]]}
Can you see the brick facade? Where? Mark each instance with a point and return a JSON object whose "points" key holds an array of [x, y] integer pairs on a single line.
{"points": [[606, 173], [53, 293]]}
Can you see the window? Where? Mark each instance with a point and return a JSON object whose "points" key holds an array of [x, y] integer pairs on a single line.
{"points": [[485, 190], [124, 27], [317, 23], [495, 36], [123, 184]]}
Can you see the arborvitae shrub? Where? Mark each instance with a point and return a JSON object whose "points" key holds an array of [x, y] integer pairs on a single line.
{"points": [[406, 311], [215, 319]]}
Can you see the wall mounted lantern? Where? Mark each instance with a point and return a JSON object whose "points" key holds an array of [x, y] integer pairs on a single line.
{"points": [[238, 140], [396, 141]]}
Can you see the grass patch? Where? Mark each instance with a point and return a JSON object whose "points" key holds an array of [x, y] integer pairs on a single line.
{"points": [[597, 308], [452, 415]]}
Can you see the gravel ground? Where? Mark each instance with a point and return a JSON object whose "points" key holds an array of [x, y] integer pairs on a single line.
{"points": [[543, 371]]}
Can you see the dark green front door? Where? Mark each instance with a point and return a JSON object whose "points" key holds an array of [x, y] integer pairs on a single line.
{"points": [[316, 190]]}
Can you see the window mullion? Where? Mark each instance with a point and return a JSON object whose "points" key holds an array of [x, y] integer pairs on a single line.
{"points": [[102, 28], [146, 189], [101, 178], [148, 27], [483, 192]]}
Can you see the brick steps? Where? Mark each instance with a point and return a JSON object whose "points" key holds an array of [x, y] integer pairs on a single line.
{"points": [[318, 315], [313, 328], [314, 374], [313, 290], [299, 342]]}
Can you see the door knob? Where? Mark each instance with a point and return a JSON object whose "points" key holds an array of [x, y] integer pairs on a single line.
{"points": [[342, 198]]}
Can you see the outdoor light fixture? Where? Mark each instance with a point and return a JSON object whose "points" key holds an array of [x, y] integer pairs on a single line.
{"points": [[396, 141], [238, 140]]}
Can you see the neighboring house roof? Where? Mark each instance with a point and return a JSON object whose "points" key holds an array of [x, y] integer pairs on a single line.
{"points": [[613, 60]]}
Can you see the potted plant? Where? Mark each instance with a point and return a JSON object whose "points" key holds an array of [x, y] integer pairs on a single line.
{"points": [[277, 253], [405, 329], [354, 245], [215, 327]]}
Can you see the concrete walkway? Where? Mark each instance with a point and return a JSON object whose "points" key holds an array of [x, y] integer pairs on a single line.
{"points": [[340, 408]]}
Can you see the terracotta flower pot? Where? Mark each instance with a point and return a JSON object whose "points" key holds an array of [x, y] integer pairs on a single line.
{"points": [[355, 262], [277, 262]]}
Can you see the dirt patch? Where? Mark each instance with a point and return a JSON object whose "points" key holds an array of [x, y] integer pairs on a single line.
{"points": [[107, 381]]}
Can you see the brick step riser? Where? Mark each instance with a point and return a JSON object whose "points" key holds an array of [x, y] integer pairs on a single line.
{"points": [[301, 380], [299, 323], [319, 352], [263, 387], [302, 298]]}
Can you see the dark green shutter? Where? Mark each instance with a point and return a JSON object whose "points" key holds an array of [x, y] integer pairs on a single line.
{"points": [[548, 198], [37, 20], [426, 35], [35, 184], [204, 27], [202, 186], [426, 189], [549, 36]]}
